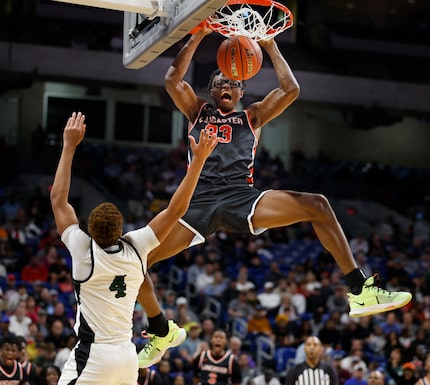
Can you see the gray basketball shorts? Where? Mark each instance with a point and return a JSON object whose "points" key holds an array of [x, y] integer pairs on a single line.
{"points": [[229, 207]]}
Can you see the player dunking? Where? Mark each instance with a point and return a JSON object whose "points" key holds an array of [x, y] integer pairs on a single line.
{"points": [[108, 268], [225, 196]]}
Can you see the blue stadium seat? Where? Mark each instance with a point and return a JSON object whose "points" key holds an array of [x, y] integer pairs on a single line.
{"points": [[337, 353], [283, 357]]}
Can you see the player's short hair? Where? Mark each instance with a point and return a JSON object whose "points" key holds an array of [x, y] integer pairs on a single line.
{"points": [[11, 340], [105, 224], [216, 73]]}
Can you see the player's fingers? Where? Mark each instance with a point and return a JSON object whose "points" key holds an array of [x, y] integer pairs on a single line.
{"points": [[78, 119], [210, 135], [203, 136], [71, 120], [192, 140], [214, 141], [82, 120]]}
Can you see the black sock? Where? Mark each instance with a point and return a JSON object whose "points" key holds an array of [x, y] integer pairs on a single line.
{"points": [[355, 280], [158, 325]]}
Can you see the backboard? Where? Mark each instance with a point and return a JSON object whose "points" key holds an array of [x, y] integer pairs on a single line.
{"points": [[146, 38], [152, 26], [146, 7]]}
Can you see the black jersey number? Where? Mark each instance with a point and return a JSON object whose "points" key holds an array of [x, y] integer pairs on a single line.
{"points": [[118, 285]]}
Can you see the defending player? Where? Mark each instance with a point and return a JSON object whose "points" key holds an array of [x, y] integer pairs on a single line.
{"points": [[225, 196], [108, 268]]}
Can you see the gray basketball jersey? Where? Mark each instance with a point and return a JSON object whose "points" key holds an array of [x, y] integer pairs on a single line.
{"points": [[232, 160], [107, 282]]}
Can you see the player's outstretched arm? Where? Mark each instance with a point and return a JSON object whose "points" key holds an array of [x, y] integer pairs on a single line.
{"points": [[279, 99], [178, 205], [73, 134], [179, 90]]}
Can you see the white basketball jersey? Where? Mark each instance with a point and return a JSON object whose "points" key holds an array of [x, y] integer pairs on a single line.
{"points": [[107, 283]]}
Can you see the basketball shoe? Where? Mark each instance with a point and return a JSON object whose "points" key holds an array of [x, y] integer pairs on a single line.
{"points": [[373, 300], [155, 348]]}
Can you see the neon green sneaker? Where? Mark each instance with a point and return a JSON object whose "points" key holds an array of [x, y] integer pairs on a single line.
{"points": [[155, 348], [373, 300]]}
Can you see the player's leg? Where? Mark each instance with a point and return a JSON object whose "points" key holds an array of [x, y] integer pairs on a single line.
{"points": [[282, 208], [164, 334], [177, 240]]}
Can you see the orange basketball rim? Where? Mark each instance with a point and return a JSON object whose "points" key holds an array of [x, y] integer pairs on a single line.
{"points": [[257, 19]]}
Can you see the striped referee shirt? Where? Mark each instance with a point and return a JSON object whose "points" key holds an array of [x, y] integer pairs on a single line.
{"points": [[303, 374]]}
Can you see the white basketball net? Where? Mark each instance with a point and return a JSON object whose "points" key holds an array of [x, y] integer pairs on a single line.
{"points": [[253, 21]]}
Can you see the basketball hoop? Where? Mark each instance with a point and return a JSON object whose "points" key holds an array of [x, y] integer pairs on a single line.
{"points": [[256, 19]]}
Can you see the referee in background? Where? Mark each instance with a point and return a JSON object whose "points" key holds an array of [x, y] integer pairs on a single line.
{"points": [[312, 371]]}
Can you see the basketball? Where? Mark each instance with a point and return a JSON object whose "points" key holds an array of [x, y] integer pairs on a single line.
{"points": [[239, 57]]}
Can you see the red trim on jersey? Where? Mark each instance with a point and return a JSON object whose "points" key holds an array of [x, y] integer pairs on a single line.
{"points": [[16, 366], [225, 113], [208, 352], [250, 178], [202, 356], [250, 124], [192, 124], [230, 364]]}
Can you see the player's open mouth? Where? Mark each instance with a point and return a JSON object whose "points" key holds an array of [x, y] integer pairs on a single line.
{"points": [[226, 96]]}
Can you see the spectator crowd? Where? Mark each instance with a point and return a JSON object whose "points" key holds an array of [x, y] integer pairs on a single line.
{"points": [[281, 285]]}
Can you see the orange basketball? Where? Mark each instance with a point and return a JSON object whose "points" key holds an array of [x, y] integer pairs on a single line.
{"points": [[239, 57]]}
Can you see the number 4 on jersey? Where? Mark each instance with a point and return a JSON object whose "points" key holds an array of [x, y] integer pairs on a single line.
{"points": [[118, 285]]}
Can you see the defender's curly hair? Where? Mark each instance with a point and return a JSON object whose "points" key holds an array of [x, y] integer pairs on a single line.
{"points": [[105, 224]]}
